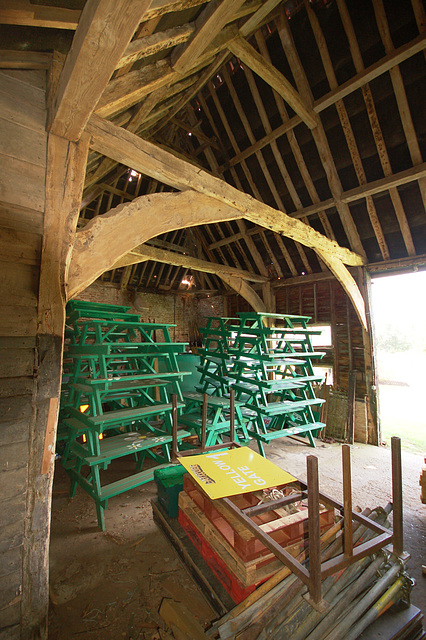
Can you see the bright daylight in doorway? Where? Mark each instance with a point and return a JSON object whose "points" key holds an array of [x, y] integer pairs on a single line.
{"points": [[399, 312]]}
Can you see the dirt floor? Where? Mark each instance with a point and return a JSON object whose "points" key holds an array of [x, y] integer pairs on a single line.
{"points": [[109, 585]]}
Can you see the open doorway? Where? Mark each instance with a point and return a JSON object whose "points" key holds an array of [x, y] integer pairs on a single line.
{"points": [[399, 314]]}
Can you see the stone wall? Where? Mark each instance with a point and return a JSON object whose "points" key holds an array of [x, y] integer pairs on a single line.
{"points": [[186, 311]]}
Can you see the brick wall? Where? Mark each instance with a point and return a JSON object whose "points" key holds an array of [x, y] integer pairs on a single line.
{"points": [[185, 311]]}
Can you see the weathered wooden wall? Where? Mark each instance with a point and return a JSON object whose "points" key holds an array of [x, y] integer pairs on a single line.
{"points": [[25, 492]]}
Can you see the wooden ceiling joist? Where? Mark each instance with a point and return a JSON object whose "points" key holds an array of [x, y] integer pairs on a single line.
{"points": [[212, 19], [125, 91], [146, 158], [154, 43], [245, 168], [277, 155], [24, 59], [249, 56], [23, 12], [376, 129], [400, 95], [347, 129], [319, 135]]}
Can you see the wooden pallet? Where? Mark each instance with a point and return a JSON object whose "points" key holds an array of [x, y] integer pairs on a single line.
{"points": [[193, 561]]}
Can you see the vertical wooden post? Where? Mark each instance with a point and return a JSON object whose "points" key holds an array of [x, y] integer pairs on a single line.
{"points": [[347, 500], [314, 530], [232, 415], [350, 419], [204, 423], [174, 428], [398, 539]]}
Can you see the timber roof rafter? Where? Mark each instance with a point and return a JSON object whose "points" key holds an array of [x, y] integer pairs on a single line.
{"points": [[317, 117]]}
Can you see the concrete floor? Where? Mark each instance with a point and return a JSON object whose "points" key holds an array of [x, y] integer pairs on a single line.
{"points": [[109, 585]]}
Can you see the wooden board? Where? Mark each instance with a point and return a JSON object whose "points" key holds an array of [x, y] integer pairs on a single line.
{"points": [[16, 362], [21, 142], [13, 216], [20, 247], [17, 320], [15, 90], [205, 578], [19, 283], [31, 189]]}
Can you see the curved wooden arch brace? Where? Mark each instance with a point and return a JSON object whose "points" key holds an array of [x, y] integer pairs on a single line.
{"points": [[106, 238], [245, 291], [151, 160], [348, 283]]}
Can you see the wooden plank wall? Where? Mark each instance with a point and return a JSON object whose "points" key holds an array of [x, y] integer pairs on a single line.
{"points": [[22, 186]]}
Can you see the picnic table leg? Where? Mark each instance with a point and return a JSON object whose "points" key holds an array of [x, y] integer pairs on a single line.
{"points": [[261, 448], [73, 487], [311, 439], [96, 483], [100, 516]]}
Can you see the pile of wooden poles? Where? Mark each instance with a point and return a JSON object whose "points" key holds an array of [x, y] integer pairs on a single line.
{"points": [[352, 598]]}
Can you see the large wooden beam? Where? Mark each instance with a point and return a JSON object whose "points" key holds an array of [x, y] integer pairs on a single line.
{"points": [[235, 278], [156, 42], [107, 238], [66, 163], [125, 91], [265, 70], [24, 59], [214, 17], [147, 158], [104, 31], [384, 184], [146, 252]]}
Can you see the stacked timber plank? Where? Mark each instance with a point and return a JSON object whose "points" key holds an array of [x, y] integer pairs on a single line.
{"points": [[352, 600], [238, 559], [115, 403]]}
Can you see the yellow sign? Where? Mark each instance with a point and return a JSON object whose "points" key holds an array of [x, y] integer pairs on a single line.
{"points": [[240, 470]]}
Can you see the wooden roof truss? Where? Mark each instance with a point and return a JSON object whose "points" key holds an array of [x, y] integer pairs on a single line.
{"points": [[314, 110]]}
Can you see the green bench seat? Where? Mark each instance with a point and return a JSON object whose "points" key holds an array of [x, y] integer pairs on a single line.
{"points": [[124, 444], [131, 482], [307, 429], [123, 416], [287, 406]]}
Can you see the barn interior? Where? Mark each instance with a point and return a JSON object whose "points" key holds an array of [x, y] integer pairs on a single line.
{"points": [[189, 160]]}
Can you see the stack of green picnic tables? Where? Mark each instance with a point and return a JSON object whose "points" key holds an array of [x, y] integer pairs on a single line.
{"points": [[213, 388], [273, 374], [119, 375], [268, 359]]}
